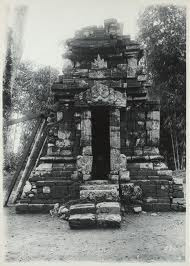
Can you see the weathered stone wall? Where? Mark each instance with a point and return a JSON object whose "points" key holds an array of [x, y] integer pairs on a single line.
{"points": [[61, 135], [140, 127]]}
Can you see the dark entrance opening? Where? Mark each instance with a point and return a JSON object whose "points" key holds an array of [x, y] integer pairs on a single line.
{"points": [[100, 143]]}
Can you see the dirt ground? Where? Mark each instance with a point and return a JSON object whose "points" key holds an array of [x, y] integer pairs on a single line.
{"points": [[143, 237]]}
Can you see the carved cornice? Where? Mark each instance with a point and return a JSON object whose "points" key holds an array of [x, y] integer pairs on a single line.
{"points": [[100, 94]]}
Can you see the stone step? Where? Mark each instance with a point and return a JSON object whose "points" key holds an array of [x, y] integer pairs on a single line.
{"points": [[97, 182], [108, 220], [99, 187], [99, 195], [108, 207], [33, 208], [82, 208], [79, 221]]}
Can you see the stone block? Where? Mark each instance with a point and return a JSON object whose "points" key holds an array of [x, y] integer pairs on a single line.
{"points": [[115, 139], [114, 178], [108, 220], [153, 115], [86, 177], [63, 143], [156, 207], [82, 208], [178, 181], [124, 175], [84, 164], [59, 116], [147, 150], [140, 166], [46, 190], [178, 201], [137, 209], [132, 67], [63, 210], [65, 152], [108, 207], [85, 141], [44, 166], [115, 159], [140, 125], [85, 127], [21, 207], [177, 187], [178, 207], [87, 150], [122, 161], [97, 182], [160, 166], [150, 200], [99, 195], [178, 194], [153, 137], [74, 175], [140, 116], [99, 187], [164, 172], [152, 125], [40, 208], [162, 193], [138, 151], [79, 221]]}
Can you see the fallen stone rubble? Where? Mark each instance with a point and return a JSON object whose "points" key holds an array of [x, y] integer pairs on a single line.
{"points": [[89, 215]]}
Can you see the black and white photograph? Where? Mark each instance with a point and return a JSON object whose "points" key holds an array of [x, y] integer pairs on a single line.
{"points": [[93, 131]]}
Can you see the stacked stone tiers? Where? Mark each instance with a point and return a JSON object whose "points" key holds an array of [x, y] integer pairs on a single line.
{"points": [[102, 209], [54, 180], [106, 72], [160, 192]]}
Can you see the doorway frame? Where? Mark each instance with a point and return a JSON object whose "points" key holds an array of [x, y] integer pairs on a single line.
{"points": [[84, 161]]}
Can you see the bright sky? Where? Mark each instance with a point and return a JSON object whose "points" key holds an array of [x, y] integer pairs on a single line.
{"points": [[48, 22]]}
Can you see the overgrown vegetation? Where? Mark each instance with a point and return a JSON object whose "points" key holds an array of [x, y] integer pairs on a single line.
{"points": [[30, 94], [162, 30]]}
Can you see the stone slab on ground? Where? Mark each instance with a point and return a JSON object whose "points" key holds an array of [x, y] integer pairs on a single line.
{"points": [[108, 207], [79, 221], [82, 208], [137, 209], [108, 220], [33, 208], [156, 207], [99, 195]]}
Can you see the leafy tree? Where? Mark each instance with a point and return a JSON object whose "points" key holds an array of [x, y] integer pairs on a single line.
{"points": [[162, 30], [30, 94]]}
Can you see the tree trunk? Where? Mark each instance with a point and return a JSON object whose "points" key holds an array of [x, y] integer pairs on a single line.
{"points": [[173, 148], [177, 152]]}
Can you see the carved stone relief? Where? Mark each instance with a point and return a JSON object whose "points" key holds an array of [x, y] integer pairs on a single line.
{"points": [[102, 94]]}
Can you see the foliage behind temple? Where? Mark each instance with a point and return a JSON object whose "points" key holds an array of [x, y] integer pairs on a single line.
{"points": [[162, 29]]}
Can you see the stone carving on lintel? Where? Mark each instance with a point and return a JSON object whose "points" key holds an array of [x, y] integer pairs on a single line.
{"points": [[100, 94], [99, 63]]}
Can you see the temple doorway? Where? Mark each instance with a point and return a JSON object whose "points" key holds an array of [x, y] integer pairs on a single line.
{"points": [[100, 143]]}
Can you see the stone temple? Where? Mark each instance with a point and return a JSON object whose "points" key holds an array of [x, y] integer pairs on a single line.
{"points": [[103, 141]]}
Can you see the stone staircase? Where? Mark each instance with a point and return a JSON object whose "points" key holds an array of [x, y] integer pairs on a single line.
{"points": [[102, 207]]}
